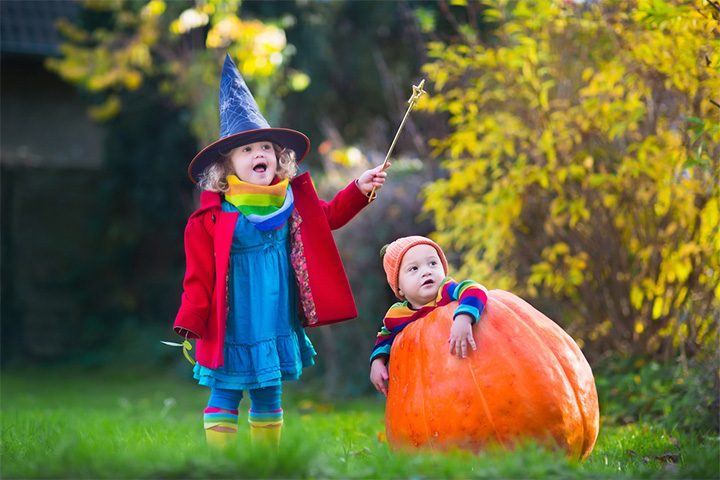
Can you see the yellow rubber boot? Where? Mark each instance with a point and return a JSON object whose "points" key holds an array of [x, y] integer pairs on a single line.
{"points": [[220, 427], [266, 437], [220, 438], [265, 428]]}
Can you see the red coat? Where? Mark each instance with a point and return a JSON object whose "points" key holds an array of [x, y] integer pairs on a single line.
{"points": [[325, 295]]}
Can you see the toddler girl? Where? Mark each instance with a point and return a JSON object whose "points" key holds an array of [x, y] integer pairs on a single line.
{"points": [[261, 264]]}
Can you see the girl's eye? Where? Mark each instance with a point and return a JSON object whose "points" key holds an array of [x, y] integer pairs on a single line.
{"points": [[266, 147]]}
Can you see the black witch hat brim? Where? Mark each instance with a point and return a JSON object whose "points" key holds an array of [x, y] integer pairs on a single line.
{"points": [[284, 137]]}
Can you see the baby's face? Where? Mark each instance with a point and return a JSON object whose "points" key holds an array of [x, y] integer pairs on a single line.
{"points": [[255, 163], [420, 276]]}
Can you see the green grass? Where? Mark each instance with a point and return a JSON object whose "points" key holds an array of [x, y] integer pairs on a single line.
{"points": [[73, 424]]}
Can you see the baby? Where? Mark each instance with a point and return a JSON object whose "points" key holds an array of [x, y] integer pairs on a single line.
{"points": [[416, 270]]}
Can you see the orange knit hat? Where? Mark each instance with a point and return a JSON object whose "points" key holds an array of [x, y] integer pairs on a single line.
{"points": [[393, 254]]}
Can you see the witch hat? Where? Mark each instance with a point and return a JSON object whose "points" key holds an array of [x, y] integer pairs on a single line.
{"points": [[241, 122]]}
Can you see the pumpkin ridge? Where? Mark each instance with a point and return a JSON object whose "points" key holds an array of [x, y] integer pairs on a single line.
{"points": [[510, 307], [503, 311], [523, 317], [423, 367], [486, 409], [587, 442]]}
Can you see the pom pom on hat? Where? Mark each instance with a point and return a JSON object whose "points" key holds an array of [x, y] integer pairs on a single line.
{"points": [[393, 254]]}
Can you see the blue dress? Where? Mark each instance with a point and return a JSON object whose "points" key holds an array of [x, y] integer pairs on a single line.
{"points": [[264, 341]]}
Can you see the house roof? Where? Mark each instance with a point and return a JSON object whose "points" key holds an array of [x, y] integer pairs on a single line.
{"points": [[28, 27]]}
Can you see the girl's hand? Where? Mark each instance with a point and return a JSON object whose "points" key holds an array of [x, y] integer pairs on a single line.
{"points": [[379, 375], [461, 336], [373, 178]]}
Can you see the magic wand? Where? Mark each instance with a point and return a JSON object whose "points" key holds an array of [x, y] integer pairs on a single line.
{"points": [[417, 92]]}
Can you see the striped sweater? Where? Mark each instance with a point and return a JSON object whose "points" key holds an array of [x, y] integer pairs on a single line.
{"points": [[471, 295]]}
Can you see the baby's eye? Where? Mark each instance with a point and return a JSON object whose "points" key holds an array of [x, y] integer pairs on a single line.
{"points": [[267, 147], [412, 269], [433, 263], [246, 149]]}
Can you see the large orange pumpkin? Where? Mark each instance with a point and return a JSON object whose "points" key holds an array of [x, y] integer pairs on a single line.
{"points": [[527, 379]]}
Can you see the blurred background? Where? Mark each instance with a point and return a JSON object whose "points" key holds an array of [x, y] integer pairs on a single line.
{"points": [[565, 151]]}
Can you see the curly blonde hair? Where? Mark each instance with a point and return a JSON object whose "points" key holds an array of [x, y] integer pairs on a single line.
{"points": [[214, 177]]}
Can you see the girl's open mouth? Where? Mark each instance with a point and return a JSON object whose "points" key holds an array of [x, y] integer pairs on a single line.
{"points": [[260, 167], [428, 282]]}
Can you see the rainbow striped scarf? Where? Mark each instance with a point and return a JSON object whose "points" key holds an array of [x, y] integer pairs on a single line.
{"points": [[266, 207]]}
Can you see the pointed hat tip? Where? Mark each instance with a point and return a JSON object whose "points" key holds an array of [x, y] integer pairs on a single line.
{"points": [[228, 64]]}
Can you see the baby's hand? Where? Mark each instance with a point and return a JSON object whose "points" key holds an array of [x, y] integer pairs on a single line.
{"points": [[379, 375], [373, 178], [461, 335]]}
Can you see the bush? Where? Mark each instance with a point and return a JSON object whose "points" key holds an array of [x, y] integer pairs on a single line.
{"points": [[668, 395]]}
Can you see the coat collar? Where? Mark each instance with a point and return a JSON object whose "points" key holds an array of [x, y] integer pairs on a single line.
{"points": [[210, 200]]}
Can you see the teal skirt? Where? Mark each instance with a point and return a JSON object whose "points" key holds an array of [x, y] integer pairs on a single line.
{"points": [[264, 341]]}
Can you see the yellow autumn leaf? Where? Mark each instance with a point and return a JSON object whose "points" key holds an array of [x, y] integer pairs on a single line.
{"points": [[657, 308], [133, 79], [636, 297], [107, 110]]}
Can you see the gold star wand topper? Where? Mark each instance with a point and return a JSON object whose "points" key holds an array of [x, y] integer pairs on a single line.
{"points": [[417, 93]]}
